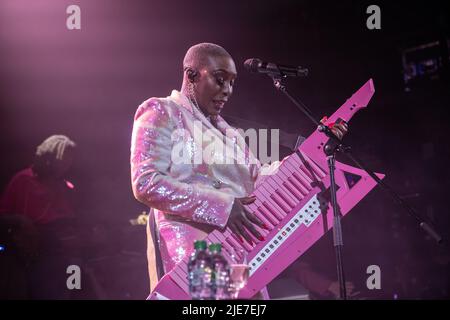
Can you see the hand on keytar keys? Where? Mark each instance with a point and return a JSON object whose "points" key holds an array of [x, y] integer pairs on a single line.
{"points": [[242, 222]]}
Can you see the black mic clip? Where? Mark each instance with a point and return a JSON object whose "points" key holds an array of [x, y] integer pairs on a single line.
{"points": [[275, 71]]}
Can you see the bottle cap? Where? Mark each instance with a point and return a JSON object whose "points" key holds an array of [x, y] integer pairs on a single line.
{"points": [[200, 245], [215, 247]]}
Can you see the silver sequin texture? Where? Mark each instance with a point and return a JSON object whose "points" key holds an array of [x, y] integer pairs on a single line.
{"points": [[189, 199]]}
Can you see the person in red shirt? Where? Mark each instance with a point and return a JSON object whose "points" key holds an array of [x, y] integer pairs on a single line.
{"points": [[39, 199], [40, 192]]}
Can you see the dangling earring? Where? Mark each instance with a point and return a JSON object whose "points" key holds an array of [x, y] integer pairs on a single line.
{"points": [[194, 102], [192, 93], [193, 99]]}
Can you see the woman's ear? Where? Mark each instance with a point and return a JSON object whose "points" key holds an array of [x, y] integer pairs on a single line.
{"points": [[191, 74]]}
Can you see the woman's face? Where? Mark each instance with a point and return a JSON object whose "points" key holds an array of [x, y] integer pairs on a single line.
{"points": [[214, 85]]}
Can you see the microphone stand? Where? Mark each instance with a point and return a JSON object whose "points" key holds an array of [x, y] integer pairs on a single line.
{"points": [[333, 146]]}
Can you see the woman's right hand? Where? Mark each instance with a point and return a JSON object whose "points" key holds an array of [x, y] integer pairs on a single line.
{"points": [[241, 221]]}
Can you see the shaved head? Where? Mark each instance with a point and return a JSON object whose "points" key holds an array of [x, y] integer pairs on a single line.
{"points": [[198, 55]]}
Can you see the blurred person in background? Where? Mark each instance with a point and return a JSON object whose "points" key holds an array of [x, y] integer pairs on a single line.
{"points": [[41, 200]]}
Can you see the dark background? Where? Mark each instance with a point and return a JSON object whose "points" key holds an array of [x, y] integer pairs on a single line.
{"points": [[88, 83]]}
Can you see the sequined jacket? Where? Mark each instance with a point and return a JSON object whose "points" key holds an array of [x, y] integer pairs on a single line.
{"points": [[189, 182]]}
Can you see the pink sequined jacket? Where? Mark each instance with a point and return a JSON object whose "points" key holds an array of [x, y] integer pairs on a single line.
{"points": [[189, 173]]}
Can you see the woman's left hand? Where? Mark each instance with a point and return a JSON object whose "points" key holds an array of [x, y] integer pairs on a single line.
{"points": [[339, 129]]}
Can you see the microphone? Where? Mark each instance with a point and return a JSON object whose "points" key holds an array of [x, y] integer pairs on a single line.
{"points": [[273, 69]]}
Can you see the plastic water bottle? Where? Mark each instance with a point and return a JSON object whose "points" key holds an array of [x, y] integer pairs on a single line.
{"points": [[200, 273], [221, 272]]}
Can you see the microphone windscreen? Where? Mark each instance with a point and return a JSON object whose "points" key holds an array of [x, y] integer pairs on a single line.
{"points": [[252, 64]]}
